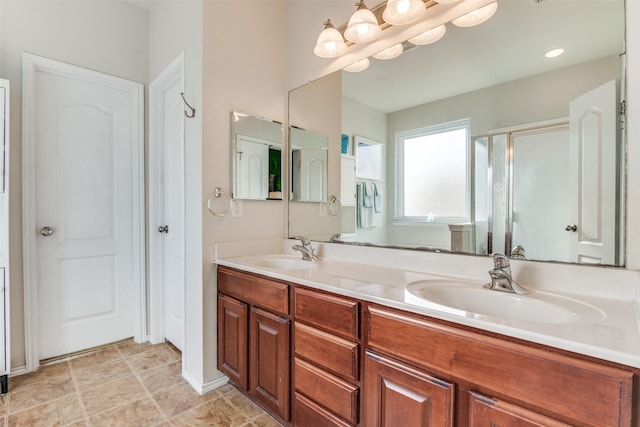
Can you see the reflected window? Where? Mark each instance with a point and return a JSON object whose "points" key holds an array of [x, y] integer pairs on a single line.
{"points": [[369, 159], [433, 173]]}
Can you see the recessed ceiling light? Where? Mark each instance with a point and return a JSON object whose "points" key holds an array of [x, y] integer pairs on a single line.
{"points": [[554, 52]]}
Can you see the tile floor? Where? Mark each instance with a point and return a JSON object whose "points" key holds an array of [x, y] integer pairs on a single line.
{"points": [[125, 384]]}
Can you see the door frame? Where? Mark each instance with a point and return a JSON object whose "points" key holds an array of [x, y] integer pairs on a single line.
{"points": [[30, 65], [174, 71]]}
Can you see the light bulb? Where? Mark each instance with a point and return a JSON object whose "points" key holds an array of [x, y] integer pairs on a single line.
{"points": [[402, 12], [330, 43], [402, 6], [363, 25]]}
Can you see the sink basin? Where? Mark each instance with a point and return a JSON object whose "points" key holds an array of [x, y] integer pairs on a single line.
{"points": [[535, 307], [284, 262]]}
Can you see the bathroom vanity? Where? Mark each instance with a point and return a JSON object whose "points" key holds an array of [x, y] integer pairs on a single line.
{"points": [[318, 348]]}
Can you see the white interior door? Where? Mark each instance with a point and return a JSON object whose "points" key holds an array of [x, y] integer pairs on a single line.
{"points": [[86, 150], [5, 356], [252, 179], [167, 205], [593, 178], [541, 204], [172, 139]]}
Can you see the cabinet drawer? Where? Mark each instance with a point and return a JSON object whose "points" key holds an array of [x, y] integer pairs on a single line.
{"points": [[254, 289], [329, 351], [329, 312], [579, 390], [327, 390], [308, 414], [484, 411]]}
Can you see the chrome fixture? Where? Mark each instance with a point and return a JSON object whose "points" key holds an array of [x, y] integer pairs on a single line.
{"points": [[335, 238], [501, 279], [305, 249], [517, 252]]}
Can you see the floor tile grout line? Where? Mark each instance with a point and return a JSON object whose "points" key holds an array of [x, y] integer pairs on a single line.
{"points": [[144, 387], [78, 394]]}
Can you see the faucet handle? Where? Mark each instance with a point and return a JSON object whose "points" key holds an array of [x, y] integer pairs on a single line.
{"points": [[500, 261], [305, 242]]}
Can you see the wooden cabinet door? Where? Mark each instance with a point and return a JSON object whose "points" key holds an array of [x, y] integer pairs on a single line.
{"points": [[233, 339], [398, 395], [269, 353], [487, 412]]}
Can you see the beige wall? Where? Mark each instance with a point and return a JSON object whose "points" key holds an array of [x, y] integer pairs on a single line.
{"points": [[110, 37], [243, 69]]}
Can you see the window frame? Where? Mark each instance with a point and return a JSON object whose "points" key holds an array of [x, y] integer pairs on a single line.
{"points": [[400, 137]]}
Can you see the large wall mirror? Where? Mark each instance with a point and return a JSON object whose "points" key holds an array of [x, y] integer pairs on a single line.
{"points": [[540, 149], [256, 157]]}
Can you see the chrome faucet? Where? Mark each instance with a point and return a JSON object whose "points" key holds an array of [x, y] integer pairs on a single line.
{"points": [[335, 238], [501, 279], [305, 249]]}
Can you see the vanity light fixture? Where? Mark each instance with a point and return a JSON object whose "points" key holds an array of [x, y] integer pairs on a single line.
{"points": [[477, 16], [554, 52], [363, 25], [330, 43], [428, 37], [401, 12], [390, 52], [446, 1], [358, 66]]}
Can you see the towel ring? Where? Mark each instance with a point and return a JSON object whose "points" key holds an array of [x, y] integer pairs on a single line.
{"points": [[217, 195], [335, 206]]}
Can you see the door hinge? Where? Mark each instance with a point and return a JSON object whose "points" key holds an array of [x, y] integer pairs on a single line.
{"points": [[623, 108]]}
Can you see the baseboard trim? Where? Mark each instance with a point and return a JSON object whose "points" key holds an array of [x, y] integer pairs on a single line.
{"points": [[21, 370], [203, 388]]}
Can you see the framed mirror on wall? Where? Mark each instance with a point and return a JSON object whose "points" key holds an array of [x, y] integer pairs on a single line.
{"points": [[497, 77], [256, 157]]}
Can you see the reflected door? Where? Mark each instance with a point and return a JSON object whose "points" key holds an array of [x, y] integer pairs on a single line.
{"points": [[252, 168], [593, 176], [541, 202], [86, 128]]}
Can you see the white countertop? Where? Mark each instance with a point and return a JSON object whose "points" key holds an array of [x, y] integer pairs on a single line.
{"points": [[613, 336]]}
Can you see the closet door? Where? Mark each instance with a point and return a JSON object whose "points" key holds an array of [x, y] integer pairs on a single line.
{"points": [[4, 235]]}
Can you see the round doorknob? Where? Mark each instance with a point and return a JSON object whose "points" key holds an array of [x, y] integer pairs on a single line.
{"points": [[571, 227], [46, 231]]}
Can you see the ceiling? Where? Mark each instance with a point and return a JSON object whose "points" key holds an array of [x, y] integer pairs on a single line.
{"points": [[510, 46]]}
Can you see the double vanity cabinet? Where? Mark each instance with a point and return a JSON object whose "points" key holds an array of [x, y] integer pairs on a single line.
{"points": [[314, 358]]}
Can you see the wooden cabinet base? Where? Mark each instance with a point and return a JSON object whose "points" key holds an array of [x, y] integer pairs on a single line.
{"points": [[398, 395]]}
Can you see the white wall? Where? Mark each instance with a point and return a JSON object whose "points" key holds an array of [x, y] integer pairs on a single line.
{"points": [[110, 37], [175, 27]]}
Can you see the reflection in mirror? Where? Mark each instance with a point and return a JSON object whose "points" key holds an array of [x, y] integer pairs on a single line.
{"points": [[256, 157], [309, 158], [530, 156]]}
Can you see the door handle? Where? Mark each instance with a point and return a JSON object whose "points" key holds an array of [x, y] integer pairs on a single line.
{"points": [[571, 227], [46, 231], [163, 229]]}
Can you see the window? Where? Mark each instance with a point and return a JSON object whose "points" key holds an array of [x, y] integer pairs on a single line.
{"points": [[433, 174]]}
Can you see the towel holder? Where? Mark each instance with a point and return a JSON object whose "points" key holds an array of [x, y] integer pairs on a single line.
{"points": [[335, 206], [219, 194]]}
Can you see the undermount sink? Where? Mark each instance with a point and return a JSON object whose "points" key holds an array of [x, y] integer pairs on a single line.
{"points": [[284, 262], [475, 301]]}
